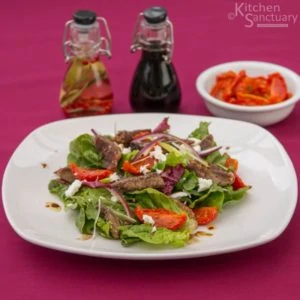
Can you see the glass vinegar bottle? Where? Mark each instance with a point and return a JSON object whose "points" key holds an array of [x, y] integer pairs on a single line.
{"points": [[155, 86]]}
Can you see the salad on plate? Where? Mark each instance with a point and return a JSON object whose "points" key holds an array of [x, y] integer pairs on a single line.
{"points": [[147, 185]]}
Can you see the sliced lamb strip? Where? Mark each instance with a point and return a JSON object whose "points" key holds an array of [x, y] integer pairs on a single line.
{"points": [[130, 184], [109, 150], [213, 172], [189, 142], [65, 174], [113, 219], [198, 168], [207, 143], [125, 137], [221, 176], [185, 208]]}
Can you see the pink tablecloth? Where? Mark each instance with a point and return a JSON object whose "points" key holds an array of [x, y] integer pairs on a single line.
{"points": [[32, 67]]}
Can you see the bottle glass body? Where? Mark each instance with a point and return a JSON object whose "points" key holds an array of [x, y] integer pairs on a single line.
{"points": [[86, 88], [155, 86]]}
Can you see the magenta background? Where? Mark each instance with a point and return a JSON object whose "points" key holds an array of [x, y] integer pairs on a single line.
{"points": [[32, 67]]}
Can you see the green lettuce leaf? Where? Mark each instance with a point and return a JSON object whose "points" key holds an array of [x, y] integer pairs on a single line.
{"points": [[209, 197], [217, 158], [201, 132], [231, 195], [57, 188], [175, 158], [151, 198], [83, 152], [103, 228], [215, 199], [86, 203], [91, 210], [80, 220], [188, 182], [160, 165], [162, 236], [218, 196]]}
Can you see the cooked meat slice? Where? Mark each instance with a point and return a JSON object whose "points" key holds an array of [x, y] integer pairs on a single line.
{"points": [[125, 137], [65, 174], [136, 146], [198, 168], [189, 142], [109, 150], [152, 180], [221, 176], [207, 142], [213, 172], [113, 219]]}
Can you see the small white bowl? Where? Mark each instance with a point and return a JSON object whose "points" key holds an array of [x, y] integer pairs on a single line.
{"points": [[261, 115]]}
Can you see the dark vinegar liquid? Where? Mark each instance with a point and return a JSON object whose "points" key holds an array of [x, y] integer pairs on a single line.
{"points": [[155, 87]]}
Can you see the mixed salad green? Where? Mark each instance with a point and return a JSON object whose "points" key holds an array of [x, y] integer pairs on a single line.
{"points": [[147, 185]]}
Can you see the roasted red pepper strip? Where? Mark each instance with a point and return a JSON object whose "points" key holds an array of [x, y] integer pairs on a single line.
{"points": [[162, 217], [240, 89], [129, 168], [145, 161], [89, 174], [278, 88], [205, 215], [134, 167]]}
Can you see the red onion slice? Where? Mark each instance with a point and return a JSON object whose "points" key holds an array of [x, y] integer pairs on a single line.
{"points": [[170, 137], [206, 152], [145, 151], [95, 184], [148, 136]]}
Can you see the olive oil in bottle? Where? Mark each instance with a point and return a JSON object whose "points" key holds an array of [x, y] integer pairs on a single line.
{"points": [[86, 88]]}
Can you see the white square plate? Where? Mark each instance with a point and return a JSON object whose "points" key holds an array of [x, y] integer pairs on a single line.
{"points": [[259, 218]]}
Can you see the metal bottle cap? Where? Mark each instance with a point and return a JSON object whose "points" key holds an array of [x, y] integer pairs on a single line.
{"points": [[155, 15], [84, 17]]}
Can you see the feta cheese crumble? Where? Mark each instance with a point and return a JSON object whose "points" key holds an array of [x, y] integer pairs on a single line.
{"points": [[114, 199], [126, 150], [153, 229], [148, 219], [73, 188], [114, 177], [144, 169], [179, 195], [158, 154], [204, 184], [158, 171], [197, 148]]}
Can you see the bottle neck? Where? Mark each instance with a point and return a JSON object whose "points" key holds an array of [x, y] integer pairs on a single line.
{"points": [[159, 55]]}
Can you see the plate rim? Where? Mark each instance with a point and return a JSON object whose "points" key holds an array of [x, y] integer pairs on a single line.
{"points": [[154, 255]]}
